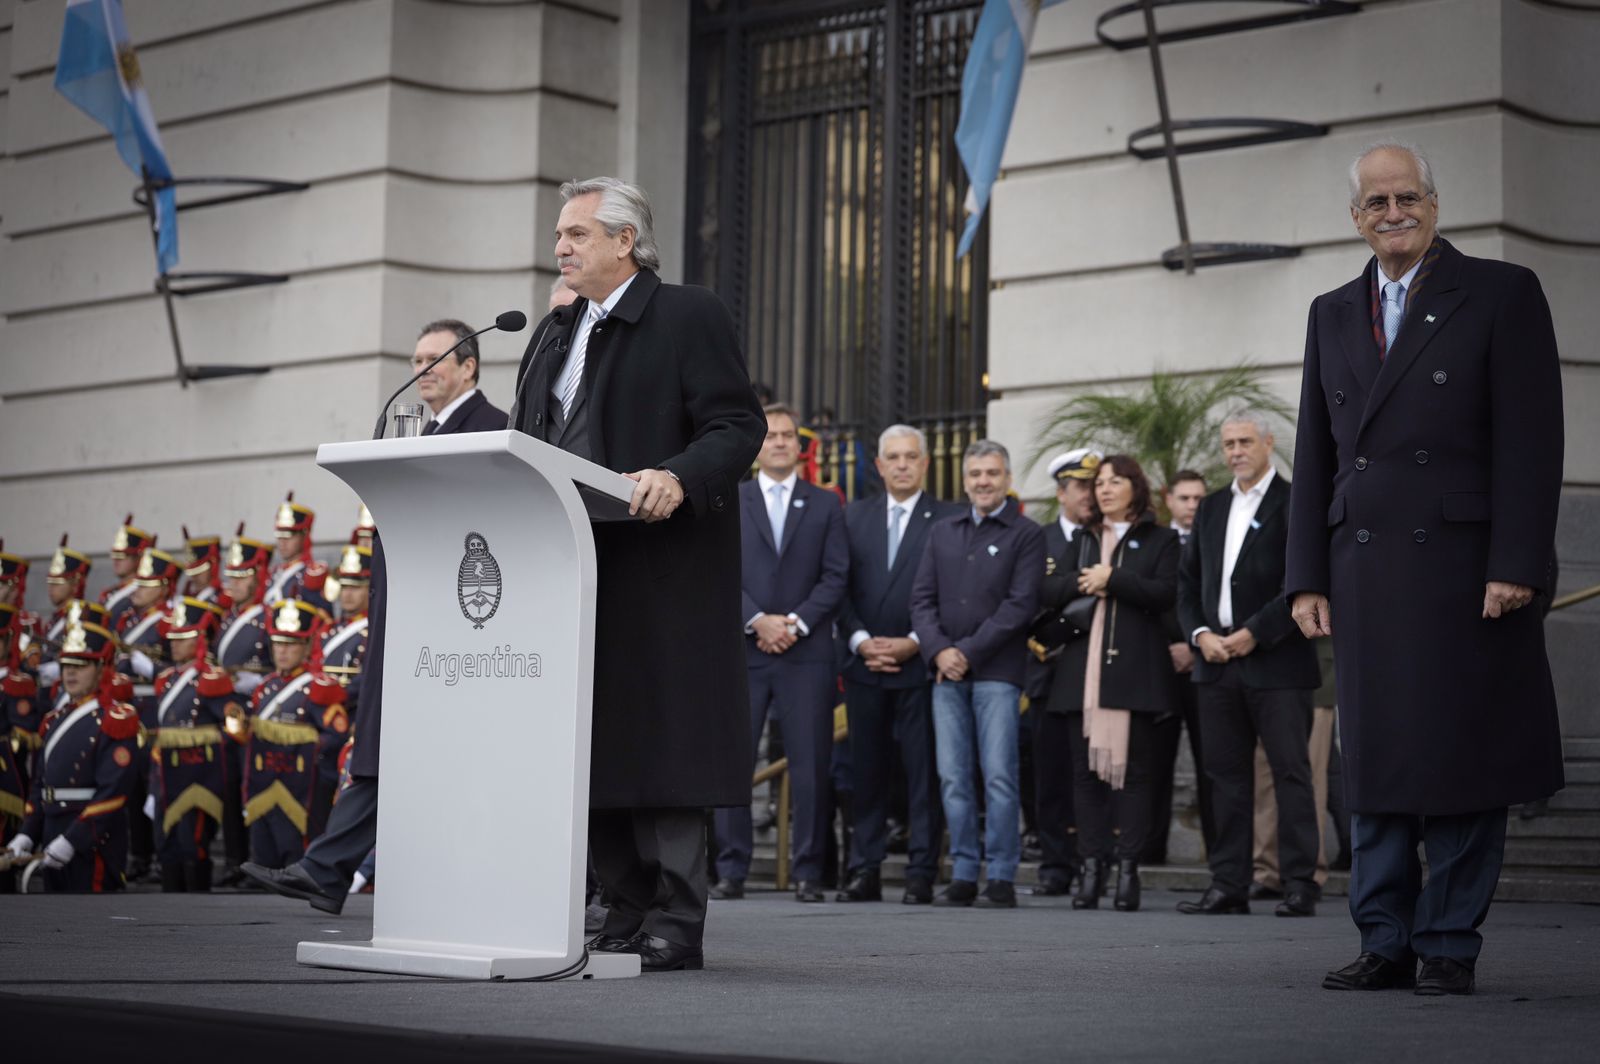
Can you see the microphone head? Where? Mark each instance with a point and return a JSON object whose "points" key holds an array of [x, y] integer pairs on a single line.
{"points": [[511, 321]]}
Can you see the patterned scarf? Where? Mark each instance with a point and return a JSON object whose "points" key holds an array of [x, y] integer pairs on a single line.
{"points": [[1429, 259]]}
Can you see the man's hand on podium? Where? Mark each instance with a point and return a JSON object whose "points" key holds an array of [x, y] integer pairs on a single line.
{"points": [[657, 495]]}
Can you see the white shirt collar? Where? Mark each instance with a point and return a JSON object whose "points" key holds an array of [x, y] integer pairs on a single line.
{"points": [[1179, 529], [453, 405], [767, 483], [1405, 278], [910, 505], [611, 300], [1260, 490]]}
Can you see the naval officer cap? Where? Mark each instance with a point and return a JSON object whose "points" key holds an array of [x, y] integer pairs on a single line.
{"points": [[1081, 464]]}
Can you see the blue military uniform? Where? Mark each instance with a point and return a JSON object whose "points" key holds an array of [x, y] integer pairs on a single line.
{"points": [[296, 720], [342, 651], [19, 723], [300, 577], [241, 652], [129, 542], [85, 770], [69, 568]]}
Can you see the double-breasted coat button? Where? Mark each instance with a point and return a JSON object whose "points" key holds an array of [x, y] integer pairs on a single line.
{"points": [[1422, 458], [717, 503], [1420, 535], [1363, 535], [1361, 463], [1440, 376], [1338, 397]]}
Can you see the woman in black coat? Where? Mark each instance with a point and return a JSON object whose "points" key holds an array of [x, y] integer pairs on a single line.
{"points": [[1121, 682]]}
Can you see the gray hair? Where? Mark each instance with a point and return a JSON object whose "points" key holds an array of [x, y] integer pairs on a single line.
{"points": [[1246, 416], [895, 431], [984, 448], [622, 206], [1424, 168]]}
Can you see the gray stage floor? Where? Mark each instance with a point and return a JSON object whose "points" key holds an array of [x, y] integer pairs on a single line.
{"points": [[876, 982]]}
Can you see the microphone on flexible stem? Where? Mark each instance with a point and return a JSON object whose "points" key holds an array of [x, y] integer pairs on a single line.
{"points": [[510, 321]]}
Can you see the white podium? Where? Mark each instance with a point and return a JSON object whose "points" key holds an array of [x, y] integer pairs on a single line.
{"points": [[488, 679]]}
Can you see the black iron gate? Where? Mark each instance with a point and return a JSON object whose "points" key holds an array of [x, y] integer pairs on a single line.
{"points": [[825, 207]]}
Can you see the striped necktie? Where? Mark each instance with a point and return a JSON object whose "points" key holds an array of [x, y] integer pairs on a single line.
{"points": [[572, 372]]}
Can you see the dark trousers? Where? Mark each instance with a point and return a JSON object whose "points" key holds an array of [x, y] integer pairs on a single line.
{"points": [[1098, 807], [1169, 732], [1397, 914], [95, 871], [336, 855], [1232, 718], [800, 699], [235, 841], [653, 865], [274, 841], [1053, 785], [880, 719]]}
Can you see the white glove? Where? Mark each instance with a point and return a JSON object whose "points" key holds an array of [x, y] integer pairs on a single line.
{"points": [[246, 682], [19, 846], [150, 806], [142, 664], [358, 884], [49, 673], [59, 853]]}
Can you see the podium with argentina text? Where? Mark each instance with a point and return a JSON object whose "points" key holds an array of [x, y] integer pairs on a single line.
{"points": [[488, 678]]}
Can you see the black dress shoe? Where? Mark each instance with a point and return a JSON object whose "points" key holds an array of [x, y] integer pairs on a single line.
{"points": [[1298, 903], [604, 943], [1444, 975], [728, 889], [1262, 892], [918, 892], [809, 890], [998, 894], [231, 876], [594, 917], [863, 886], [1127, 900], [1372, 972], [293, 882], [1091, 884], [1053, 887], [1216, 903], [659, 955], [959, 894]]}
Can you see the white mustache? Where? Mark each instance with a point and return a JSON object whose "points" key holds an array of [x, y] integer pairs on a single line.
{"points": [[560, 262], [1410, 223]]}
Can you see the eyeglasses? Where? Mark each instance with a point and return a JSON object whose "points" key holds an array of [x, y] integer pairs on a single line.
{"points": [[1406, 201]]}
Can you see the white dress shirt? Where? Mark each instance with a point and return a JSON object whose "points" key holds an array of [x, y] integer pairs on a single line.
{"points": [[861, 635], [451, 407], [593, 313], [1242, 510], [766, 484]]}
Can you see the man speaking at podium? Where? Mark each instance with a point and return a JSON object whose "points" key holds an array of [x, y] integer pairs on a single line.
{"points": [[647, 379]]}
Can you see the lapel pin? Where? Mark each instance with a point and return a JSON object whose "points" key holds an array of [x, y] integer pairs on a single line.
{"points": [[927, 513], [1133, 544], [799, 504], [1255, 524], [1429, 318], [993, 550]]}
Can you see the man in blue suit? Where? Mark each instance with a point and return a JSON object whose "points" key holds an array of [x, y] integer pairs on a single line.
{"points": [[886, 684], [795, 561]]}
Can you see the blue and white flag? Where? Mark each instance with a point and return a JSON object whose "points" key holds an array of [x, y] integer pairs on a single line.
{"points": [[989, 95], [99, 72]]}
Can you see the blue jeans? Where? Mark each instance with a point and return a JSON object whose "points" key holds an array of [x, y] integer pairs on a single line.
{"points": [[975, 726]]}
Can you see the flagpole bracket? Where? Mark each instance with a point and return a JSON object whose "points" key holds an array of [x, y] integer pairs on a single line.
{"points": [[1251, 132], [244, 188], [1299, 11], [1227, 253]]}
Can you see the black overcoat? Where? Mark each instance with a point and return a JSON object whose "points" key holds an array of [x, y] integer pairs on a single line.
{"points": [[1136, 669], [667, 388], [1417, 480]]}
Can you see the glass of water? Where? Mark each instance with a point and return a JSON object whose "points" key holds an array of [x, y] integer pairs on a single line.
{"points": [[407, 420]]}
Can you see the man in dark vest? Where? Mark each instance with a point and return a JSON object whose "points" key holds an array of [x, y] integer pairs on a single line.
{"points": [[1428, 472]]}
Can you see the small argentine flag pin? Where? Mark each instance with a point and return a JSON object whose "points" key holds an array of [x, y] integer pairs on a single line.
{"points": [[1429, 318]]}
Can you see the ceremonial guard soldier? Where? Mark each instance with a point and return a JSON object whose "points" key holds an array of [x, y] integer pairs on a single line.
{"points": [[242, 653], [295, 575], [202, 569], [19, 726], [297, 716], [69, 572], [79, 793], [193, 699], [127, 547], [14, 578], [140, 627], [344, 650], [366, 528]]}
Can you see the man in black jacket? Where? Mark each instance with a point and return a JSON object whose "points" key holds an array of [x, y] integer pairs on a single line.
{"points": [[323, 876], [1256, 672]]}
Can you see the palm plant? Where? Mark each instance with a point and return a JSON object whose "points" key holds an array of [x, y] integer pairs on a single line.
{"points": [[1171, 424]]}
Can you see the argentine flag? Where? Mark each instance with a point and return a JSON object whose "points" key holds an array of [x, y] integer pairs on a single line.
{"points": [[989, 95], [99, 72]]}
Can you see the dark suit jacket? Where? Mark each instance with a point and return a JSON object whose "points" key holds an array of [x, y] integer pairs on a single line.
{"points": [[665, 388], [1417, 480], [1283, 657], [477, 414], [1059, 555], [806, 577], [878, 598], [977, 589]]}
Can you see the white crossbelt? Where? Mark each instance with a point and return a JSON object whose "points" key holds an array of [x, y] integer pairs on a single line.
{"points": [[179, 685], [239, 624], [65, 726], [351, 629], [140, 630], [275, 591], [293, 686]]}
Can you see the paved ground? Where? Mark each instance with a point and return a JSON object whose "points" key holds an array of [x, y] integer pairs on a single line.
{"points": [[862, 983]]}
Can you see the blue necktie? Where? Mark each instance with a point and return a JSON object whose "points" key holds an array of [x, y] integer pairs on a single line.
{"points": [[1394, 310], [775, 514], [898, 513]]}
